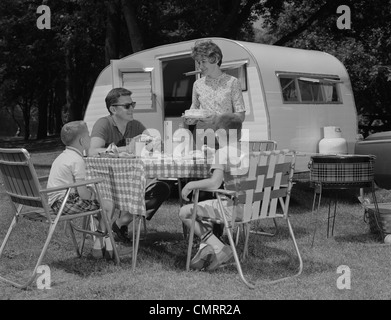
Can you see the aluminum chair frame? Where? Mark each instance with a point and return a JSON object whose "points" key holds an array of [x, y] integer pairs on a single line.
{"points": [[23, 187], [268, 183]]}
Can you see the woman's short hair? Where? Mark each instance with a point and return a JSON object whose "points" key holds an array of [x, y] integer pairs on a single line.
{"points": [[114, 94], [72, 131], [207, 49]]}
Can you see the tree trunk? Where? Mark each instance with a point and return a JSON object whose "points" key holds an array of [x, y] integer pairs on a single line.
{"points": [[69, 86], [43, 115], [51, 111], [59, 100], [12, 114], [112, 31], [74, 84], [129, 11], [58, 120], [26, 117]]}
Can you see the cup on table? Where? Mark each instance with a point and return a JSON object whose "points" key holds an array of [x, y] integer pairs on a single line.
{"points": [[130, 146], [140, 146]]}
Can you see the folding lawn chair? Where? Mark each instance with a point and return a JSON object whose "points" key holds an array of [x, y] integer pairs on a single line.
{"points": [[267, 183], [262, 145], [254, 146], [378, 214], [29, 201]]}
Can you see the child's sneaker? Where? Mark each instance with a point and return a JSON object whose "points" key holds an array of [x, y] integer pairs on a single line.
{"points": [[122, 250], [204, 255], [120, 234], [220, 258], [98, 249]]}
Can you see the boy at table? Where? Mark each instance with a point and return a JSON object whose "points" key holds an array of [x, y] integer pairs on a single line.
{"points": [[69, 167], [229, 160], [115, 128]]}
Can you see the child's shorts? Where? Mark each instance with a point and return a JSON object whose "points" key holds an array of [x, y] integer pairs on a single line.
{"points": [[75, 204], [210, 209]]}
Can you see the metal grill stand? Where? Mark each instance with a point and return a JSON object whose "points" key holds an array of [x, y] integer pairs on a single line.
{"points": [[338, 173]]}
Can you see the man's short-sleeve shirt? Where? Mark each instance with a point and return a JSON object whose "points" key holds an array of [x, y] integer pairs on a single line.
{"points": [[106, 129]]}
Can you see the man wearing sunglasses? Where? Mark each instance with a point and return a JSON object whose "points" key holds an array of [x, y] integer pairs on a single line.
{"points": [[115, 128]]}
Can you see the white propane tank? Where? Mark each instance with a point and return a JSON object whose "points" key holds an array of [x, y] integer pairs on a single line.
{"points": [[333, 143]]}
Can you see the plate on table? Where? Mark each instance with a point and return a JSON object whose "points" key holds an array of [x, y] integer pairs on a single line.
{"points": [[108, 155], [194, 117], [194, 155], [126, 155]]}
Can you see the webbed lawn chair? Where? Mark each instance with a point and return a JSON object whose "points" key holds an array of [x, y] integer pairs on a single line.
{"points": [[254, 146], [266, 186], [29, 201], [378, 214], [262, 145]]}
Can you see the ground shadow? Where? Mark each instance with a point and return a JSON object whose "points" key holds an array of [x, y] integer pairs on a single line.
{"points": [[369, 238]]}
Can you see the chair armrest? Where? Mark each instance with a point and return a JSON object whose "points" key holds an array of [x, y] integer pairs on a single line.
{"points": [[73, 185], [221, 191], [43, 178]]}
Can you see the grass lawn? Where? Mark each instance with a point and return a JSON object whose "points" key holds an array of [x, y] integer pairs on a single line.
{"points": [[160, 272]]}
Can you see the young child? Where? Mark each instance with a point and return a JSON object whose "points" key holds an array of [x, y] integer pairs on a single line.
{"points": [[69, 167], [229, 162]]}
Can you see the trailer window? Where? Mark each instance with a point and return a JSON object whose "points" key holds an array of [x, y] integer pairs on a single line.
{"points": [[236, 69], [289, 91], [140, 84], [300, 88]]}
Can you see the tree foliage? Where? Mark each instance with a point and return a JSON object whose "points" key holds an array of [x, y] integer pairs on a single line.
{"points": [[47, 75], [50, 73]]}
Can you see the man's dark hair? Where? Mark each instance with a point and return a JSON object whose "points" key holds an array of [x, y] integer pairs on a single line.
{"points": [[114, 94]]}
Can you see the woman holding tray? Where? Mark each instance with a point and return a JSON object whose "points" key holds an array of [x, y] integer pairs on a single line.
{"points": [[216, 92]]}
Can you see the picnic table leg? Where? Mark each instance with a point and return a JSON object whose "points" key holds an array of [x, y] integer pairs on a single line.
{"points": [[136, 238], [191, 236]]}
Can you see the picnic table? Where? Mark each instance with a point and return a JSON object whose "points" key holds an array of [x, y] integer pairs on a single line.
{"points": [[125, 179]]}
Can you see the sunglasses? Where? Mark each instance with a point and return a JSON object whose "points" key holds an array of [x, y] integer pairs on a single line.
{"points": [[125, 105]]}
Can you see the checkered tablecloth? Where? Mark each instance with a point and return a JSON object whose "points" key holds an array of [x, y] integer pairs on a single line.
{"points": [[176, 168], [124, 182], [125, 178]]}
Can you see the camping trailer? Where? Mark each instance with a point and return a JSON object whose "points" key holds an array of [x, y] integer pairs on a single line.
{"points": [[290, 94]]}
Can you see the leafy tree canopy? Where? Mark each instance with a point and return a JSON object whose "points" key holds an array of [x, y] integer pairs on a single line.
{"points": [[53, 71]]}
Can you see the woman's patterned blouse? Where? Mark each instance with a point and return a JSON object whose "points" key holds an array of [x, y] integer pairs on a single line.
{"points": [[220, 95]]}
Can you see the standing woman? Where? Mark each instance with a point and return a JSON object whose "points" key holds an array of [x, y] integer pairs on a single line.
{"points": [[216, 92]]}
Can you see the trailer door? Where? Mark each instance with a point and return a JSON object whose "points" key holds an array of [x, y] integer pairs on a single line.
{"points": [[177, 86]]}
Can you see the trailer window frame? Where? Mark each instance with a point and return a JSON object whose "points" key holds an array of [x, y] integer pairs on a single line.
{"points": [[230, 68], [142, 94], [305, 88]]}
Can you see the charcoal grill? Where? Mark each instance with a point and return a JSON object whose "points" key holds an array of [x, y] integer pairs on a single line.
{"points": [[340, 172]]}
